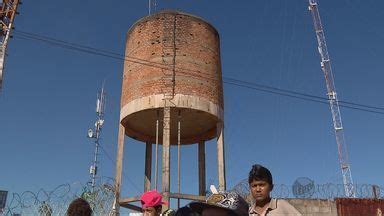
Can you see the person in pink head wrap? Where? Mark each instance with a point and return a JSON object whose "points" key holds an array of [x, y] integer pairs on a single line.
{"points": [[151, 203]]}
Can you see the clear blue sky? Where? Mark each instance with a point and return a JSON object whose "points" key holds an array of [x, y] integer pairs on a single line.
{"points": [[48, 98]]}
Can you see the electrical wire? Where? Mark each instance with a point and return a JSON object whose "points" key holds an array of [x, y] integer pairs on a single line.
{"points": [[187, 72], [302, 98], [114, 162]]}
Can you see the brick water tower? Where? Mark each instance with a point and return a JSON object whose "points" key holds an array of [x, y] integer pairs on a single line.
{"points": [[172, 96]]}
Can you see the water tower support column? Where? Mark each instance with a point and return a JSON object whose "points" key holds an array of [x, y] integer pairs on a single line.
{"points": [[148, 166], [119, 168], [201, 153], [220, 155], [166, 154]]}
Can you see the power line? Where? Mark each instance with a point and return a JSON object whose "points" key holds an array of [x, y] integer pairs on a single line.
{"points": [[300, 93], [303, 98], [105, 53], [240, 83], [114, 162], [113, 55]]}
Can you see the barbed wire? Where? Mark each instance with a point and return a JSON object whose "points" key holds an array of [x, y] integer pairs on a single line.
{"points": [[314, 191], [56, 201]]}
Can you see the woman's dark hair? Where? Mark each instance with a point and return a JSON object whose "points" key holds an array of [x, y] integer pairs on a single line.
{"points": [[186, 211], [79, 207], [260, 173]]}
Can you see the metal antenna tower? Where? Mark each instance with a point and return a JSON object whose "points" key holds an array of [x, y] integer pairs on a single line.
{"points": [[7, 16], [95, 134], [333, 101], [150, 4]]}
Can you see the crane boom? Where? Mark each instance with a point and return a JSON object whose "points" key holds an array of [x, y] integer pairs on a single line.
{"points": [[333, 101]]}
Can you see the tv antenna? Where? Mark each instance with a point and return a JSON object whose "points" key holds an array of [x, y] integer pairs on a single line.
{"points": [[95, 134]]}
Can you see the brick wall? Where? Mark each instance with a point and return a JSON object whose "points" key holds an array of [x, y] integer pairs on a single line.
{"points": [[197, 49]]}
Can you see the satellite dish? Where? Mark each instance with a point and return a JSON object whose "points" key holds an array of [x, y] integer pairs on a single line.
{"points": [[303, 188], [90, 133]]}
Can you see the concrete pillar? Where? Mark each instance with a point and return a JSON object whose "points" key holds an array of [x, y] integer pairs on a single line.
{"points": [[119, 168], [221, 156], [201, 153], [148, 166], [166, 155]]}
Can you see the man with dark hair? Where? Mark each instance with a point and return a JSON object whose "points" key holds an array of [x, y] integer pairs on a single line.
{"points": [[261, 185], [79, 207], [186, 211]]}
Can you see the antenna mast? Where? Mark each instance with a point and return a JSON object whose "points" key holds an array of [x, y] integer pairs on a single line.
{"points": [[333, 101], [150, 4], [7, 16], [95, 134]]}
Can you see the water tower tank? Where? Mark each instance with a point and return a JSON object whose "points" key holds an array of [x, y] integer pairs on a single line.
{"points": [[172, 55]]}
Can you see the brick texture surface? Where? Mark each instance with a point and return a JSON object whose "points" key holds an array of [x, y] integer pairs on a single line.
{"points": [[154, 42]]}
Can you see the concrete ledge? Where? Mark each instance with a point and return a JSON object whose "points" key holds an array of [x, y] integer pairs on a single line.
{"points": [[180, 100]]}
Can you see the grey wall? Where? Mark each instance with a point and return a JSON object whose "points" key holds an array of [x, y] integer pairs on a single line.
{"points": [[314, 207]]}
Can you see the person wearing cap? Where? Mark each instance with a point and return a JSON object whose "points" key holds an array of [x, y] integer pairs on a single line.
{"points": [[151, 202], [221, 204], [261, 185]]}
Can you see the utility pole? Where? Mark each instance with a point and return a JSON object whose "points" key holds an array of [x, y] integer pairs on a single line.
{"points": [[333, 101], [95, 134]]}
